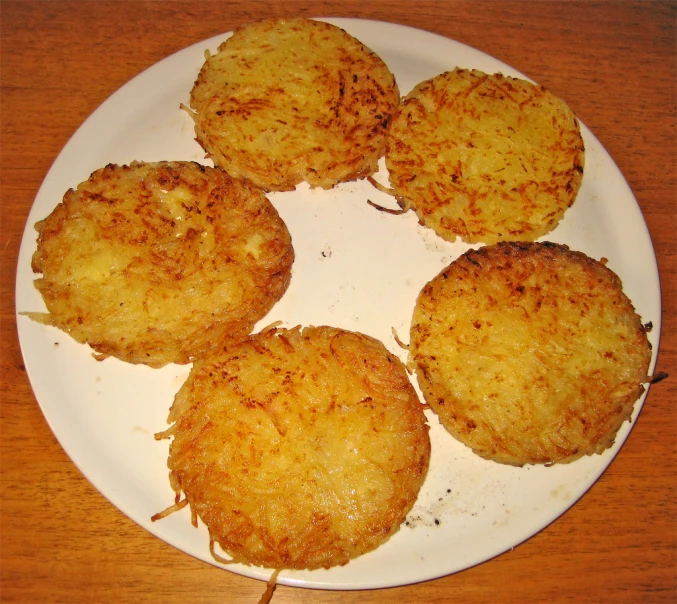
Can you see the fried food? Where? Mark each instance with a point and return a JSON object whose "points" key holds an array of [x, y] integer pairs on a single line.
{"points": [[300, 448], [529, 353], [292, 100], [486, 158], [155, 263]]}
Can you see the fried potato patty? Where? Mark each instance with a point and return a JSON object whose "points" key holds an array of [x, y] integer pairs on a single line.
{"points": [[155, 263], [529, 353], [486, 158], [292, 100], [299, 449]]}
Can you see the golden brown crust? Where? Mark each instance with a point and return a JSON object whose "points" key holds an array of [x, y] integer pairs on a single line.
{"points": [[292, 100], [529, 352], [154, 263], [486, 158], [299, 448]]}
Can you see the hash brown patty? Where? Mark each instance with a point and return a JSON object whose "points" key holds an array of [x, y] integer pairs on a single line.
{"points": [[300, 448], [290, 100], [154, 263], [486, 158], [529, 353]]}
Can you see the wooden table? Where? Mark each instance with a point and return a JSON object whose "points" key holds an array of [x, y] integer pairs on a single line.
{"points": [[614, 62]]}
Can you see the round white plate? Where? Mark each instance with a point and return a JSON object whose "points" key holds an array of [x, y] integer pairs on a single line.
{"points": [[356, 268]]}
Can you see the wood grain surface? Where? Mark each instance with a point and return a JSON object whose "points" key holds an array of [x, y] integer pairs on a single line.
{"points": [[615, 64]]}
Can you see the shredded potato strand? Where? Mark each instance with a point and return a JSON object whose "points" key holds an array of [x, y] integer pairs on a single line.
{"points": [[270, 587], [170, 510]]}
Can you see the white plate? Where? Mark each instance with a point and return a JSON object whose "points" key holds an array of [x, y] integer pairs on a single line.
{"points": [[356, 268]]}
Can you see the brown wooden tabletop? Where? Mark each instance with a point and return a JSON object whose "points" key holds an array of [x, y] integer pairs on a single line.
{"points": [[615, 64]]}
